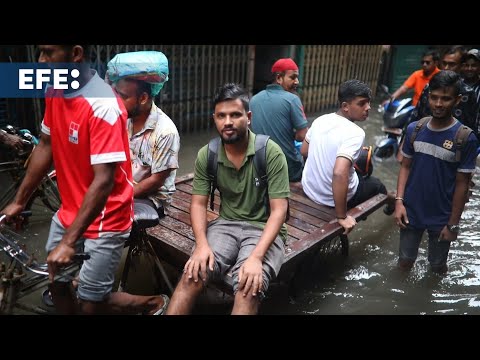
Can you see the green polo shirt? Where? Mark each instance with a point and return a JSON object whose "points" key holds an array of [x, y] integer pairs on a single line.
{"points": [[241, 199]]}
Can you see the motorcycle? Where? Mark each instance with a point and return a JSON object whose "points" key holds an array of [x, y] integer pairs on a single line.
{"points": [[395, 116]]}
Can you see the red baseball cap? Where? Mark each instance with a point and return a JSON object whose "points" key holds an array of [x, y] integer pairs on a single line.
{"points": [[285, 64]]}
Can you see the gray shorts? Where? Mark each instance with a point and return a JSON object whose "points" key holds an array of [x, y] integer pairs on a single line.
{"points": [[232, 242], [97, 274]]}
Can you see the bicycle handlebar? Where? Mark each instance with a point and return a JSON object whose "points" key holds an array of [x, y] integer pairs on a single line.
{"points": [[25, 213], [15, 251], [78, 257]]}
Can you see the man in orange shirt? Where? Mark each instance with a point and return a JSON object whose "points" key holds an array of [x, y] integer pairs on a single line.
{"points": [[420, 78]]}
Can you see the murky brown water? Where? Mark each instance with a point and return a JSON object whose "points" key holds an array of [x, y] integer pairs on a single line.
{"points": [[367, 281]]}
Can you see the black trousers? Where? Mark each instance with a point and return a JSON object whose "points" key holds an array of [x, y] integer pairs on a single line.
{"points": [[367, 187]]}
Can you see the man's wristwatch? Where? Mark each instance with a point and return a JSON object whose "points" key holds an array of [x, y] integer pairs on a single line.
{"points": [[453, 228]]}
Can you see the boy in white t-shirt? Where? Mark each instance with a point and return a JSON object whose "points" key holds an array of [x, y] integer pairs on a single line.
{"points": [[332, 145]]}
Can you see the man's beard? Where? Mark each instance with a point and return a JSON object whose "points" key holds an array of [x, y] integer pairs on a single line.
{"points": [[237, 137], [134, 112]]}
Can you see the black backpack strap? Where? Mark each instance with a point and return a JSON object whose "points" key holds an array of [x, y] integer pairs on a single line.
{"points": [[260, 164], [461, 138], [212, 164], [260, 159], [419, 125]]}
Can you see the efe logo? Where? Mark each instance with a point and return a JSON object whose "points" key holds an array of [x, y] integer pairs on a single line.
{"points": [[29, 79]]}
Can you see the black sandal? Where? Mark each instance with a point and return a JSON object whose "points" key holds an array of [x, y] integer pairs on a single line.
{"points": [[47, 298]]}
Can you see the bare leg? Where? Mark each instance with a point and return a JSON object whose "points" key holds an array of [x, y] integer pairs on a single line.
{"points": [[471, 185], [184, 296], [123, 303], [245, 305], [64, 298]]}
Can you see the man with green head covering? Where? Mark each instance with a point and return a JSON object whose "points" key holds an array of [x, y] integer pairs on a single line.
{"points": [[154, 140]]}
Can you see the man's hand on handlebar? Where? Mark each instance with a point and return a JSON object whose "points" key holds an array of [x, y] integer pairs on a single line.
{"points": [[12, 141], [59, 257], [11, 213]]}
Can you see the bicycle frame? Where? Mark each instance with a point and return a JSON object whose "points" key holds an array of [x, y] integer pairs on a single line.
{"points": [[47, 190], [15, 282], [145, 216], [8, 166], [16, 170]]}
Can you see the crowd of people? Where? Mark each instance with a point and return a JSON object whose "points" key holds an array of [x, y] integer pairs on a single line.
{"points": [[111, 149]]}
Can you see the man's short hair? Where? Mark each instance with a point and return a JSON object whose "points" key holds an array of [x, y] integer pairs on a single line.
{"points": [[232, 91], [351, 89], [433, 53], [86, 50], [446, 78]]}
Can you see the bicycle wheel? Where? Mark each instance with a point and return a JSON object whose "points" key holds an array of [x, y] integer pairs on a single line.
{"points": [[8, 195], [44, 201], [48, 192]]}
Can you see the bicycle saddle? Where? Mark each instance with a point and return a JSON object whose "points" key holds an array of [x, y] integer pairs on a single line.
{"points": [[145, 216]]}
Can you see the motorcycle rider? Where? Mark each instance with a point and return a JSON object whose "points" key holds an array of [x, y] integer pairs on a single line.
{"points": [[471, 71], [418, 79], [467, 110]]}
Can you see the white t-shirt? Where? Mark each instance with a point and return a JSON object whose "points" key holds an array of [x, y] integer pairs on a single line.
{"points": [[330, 136]]}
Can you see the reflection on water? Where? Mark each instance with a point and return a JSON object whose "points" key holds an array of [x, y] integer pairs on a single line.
{"points": [[367, 281]]}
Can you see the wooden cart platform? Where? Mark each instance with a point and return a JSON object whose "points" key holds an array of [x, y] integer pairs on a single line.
{"points": [[309, 226]]}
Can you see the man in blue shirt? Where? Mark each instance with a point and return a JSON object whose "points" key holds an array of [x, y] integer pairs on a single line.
{"points": [[432, 185], [278, 112]]}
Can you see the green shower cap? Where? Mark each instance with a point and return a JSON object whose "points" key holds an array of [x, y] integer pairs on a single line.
{"points": [[148, 66]]}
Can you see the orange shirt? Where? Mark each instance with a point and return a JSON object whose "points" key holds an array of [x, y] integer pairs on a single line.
{"points": [[417, 82]]}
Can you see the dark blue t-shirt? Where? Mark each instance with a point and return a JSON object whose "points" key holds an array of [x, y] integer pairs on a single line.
{"points": [[431, 183]]}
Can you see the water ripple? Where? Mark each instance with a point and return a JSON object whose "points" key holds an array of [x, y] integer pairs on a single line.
{"points": [[360, 273]]}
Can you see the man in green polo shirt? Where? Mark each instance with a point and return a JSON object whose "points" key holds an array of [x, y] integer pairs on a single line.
{"points": [[245, 238]]}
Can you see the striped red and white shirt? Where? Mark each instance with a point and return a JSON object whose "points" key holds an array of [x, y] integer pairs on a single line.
{"points": [[88, 127]]}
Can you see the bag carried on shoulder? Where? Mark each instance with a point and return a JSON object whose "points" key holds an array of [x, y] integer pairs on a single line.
{"points": [[364, 166]]}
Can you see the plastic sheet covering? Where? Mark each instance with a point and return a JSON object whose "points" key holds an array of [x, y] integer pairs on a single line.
{"points": [[149, 66]]}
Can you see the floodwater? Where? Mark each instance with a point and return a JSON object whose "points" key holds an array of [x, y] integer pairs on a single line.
{"points": [[367, 280]]}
